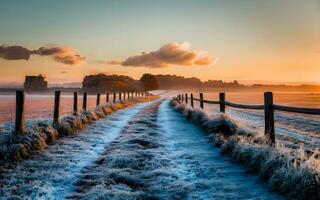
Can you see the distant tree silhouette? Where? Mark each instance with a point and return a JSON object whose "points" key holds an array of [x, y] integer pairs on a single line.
{"points": [[149, 82], [102, 83]]}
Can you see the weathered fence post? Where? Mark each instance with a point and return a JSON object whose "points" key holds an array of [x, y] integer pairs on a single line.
{"points": [[201, 100], [56, 106], [179, 98], [186, 98], [19, 124], [98, 99], [107, 97], [222, 99], [75, 103], [84, 102], [182, 98], [120, 96], [269, 117], [114, 97], [191, 100]]}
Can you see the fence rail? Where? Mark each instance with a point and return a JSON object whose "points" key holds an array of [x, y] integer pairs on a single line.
{"points": [[310, 111], [20, 107], [244, 106], [269, 107]]}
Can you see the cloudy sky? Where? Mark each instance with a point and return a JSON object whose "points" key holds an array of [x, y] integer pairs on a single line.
{"points": [[255, 40]]}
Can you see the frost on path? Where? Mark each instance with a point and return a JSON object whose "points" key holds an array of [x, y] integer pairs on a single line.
{"points": [[52, 173], [198, 164], [159, 155], [148, 151], [134, 166]]}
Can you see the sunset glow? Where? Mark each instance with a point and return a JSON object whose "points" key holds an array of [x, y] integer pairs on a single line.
{"points": [[251, 41]]}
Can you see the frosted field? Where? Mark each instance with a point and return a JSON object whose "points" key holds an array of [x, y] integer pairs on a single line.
{"points": [[145, 151], [292, 130]]}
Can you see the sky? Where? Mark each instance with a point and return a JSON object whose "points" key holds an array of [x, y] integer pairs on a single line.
{"points": [[247, 40]]}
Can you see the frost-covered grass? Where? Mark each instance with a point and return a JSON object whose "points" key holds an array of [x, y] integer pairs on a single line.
{"points": [[293, 173], [15, 146], [134, 166], [51, 173]]}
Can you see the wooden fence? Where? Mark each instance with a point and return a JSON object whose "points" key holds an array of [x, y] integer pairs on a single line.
{"points": [[269, 107], [20, 100]]}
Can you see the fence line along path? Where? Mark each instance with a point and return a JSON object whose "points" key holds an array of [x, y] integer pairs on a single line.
{"points": [[20, 104], [269, 107]]}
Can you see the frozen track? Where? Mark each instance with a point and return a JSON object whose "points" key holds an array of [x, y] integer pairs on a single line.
{"points": [[148, 151], [200, 166], [52, 173]]}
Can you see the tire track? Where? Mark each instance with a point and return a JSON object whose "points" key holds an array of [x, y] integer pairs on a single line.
{"points": [[134, 166], [199, 164], [52, 173]]}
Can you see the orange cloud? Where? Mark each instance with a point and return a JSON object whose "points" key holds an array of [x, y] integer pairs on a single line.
{"points": [[170, 54], [60, 54]]}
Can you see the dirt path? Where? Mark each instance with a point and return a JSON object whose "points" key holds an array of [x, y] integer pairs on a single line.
{"points": [[148, 151]]}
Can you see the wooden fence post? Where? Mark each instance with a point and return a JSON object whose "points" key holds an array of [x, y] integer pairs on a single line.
{"points": [[191, 100], [269, 117], [84, 102], [75, 103], [222, 99], [56, 107], [107, 97], [19, 123], [201, 100], [186, 98], [114, 97], [98, 99], [182, 98], [120, 96]]}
